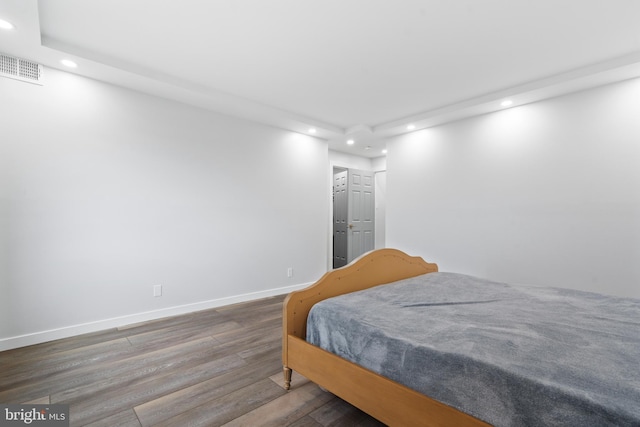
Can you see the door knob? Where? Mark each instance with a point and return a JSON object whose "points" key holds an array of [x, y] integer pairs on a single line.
{"points": [[350, 226]]}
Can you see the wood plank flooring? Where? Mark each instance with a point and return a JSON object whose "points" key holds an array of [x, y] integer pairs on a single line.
{"points": [[218, 367]]}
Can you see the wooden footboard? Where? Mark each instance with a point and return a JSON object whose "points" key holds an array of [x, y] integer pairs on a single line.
{"points": [[380, 397], [386, 400]]}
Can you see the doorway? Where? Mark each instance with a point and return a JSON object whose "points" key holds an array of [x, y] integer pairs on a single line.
{"points": [[353, 214]]}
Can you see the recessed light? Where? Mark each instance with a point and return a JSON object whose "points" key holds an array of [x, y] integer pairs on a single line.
{"points": [[350, 142], [411, 127], [312, 130], [506, 103], [6, 25], [384, 151], [69, 63]]}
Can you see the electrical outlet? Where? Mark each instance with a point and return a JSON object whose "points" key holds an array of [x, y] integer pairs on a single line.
{"points": [[290, 272], [157, 290]]}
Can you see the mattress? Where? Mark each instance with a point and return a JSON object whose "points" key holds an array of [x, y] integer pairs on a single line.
{"points": [[508, 355]]}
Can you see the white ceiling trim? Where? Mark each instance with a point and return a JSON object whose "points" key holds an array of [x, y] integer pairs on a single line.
{"points": [[371, 138], [27, 42], [618, 69]]}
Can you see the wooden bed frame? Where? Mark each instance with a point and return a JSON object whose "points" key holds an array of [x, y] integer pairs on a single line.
{"points": [[382, 398]]}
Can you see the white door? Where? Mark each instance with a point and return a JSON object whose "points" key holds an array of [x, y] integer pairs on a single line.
{"points": [[340, 219], [360, 213]]}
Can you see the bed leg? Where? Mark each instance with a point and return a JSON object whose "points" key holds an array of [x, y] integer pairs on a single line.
{"points": [[287, 377]]}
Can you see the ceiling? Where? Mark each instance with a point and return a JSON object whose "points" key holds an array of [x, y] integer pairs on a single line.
{"points": [[351, 69]]}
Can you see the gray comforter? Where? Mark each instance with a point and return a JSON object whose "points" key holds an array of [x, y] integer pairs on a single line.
{"points": [[509, 355]]}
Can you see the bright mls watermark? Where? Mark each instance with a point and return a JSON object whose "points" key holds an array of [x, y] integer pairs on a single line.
{"points": [[34, 415]]}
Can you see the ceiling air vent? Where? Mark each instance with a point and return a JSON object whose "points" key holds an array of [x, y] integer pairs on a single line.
{"points": [[20, 69]]}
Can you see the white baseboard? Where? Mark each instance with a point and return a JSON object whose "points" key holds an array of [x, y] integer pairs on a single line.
{"points": [[115, 322]]}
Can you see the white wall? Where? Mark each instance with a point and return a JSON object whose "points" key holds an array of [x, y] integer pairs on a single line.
{"points": [[544, 194], [381, 209], [105, 192], [344, 160], [379, 164]]}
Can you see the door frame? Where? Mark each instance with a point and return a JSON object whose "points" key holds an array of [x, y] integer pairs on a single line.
{"points": [[332, 167], [338, 165], [338, 170]]}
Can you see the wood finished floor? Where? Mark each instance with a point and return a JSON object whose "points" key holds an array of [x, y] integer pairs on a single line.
{"points": [[218, 367]]}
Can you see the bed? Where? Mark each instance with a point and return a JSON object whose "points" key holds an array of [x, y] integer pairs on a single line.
{"points": [[573, 379]]}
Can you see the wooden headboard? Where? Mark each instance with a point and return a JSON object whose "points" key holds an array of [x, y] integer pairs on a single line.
{"points": [[371, 269]]}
